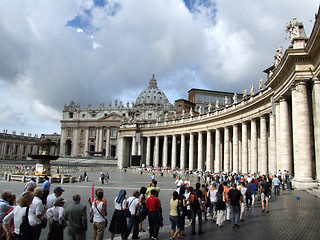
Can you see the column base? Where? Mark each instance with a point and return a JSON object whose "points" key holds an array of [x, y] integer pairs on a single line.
{"points": [[302, 184]]}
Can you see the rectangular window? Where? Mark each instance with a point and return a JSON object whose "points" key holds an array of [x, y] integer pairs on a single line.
{"points": [[83, 115], [70, 114], [8, 149]]}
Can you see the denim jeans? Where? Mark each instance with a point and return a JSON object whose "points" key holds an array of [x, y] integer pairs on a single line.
{"points": [[235, 214], [133, 223], [276, 190], [196, 211]]}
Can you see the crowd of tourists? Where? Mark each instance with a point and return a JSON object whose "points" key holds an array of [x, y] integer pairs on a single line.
{"points": [[221, 198]]}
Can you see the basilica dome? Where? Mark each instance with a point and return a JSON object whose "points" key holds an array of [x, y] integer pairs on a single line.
{"points": [[152, 95]]}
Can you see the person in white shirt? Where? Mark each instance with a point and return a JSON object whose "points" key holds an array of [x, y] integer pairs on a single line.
{"points": [[134, 207], [179, 182], [59, 222], [57, 192], [37, 213], [17, 213]]}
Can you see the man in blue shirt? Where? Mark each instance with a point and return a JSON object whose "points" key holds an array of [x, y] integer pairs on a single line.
{"points": [[276, 185], [46, 189]]}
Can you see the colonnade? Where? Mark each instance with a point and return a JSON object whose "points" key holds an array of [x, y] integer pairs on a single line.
{"points": [[284, 136]]}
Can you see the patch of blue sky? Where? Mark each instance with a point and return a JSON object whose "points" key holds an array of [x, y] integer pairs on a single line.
{"points": [[83, 20], [195, 6]]}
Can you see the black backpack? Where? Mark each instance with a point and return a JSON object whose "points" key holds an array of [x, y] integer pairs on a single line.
{"points": [[25, 228]]}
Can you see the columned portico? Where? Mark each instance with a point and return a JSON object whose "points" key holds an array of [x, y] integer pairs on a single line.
{"points": [[174, 152], [165, 152], [244, 142], [301, 135], [156, 152], [285, 137], [148, 157], [191, 152], [263, 168], [254, 147], [217, 160], [183, 152], [226, 165], [235, 149], [209, 158], [316, 122], [200, 151]]}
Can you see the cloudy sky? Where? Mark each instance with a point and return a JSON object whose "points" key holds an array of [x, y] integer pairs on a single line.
{"points": [[91, 51]]}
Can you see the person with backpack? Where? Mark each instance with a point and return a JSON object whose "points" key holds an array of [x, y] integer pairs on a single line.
{"points": [[195, 199], [22, 229]]}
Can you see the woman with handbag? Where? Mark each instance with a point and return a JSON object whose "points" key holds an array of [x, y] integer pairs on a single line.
{"points": [[19, 213], [118, 223], [99, 211]]}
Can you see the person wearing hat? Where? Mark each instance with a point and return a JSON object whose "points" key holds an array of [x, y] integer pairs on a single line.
{"points": [[58, 220], [57, 192]]}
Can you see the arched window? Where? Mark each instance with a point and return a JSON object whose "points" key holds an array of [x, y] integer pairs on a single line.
{"points": [[93, 133], [69, 132]]}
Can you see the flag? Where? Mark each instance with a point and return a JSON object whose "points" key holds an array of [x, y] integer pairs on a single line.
{"points": [[92, 192]]}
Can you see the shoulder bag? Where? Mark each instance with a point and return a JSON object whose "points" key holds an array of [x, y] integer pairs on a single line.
{"points": [[100, 214]]}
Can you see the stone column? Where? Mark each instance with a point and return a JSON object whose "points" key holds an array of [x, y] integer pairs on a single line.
{"points": [[75, 142], [174, 152], [235, 149], [226, 165], [191, 152], [120, 153], [244, 140], [156, 153], [148, 158], [209, 159], [217, 161], [285, 137], [62, 142], [316, 122], [278, 138], [100, 138], [183, 152], [86, 142], [165, 152], [254, 147], [200, 151], [302, 144], [108, 143], [96, 147], [263, 163], [134, 145], [273, 146]]}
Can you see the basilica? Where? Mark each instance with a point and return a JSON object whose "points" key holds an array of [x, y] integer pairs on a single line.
{"points": [[276, 127]]}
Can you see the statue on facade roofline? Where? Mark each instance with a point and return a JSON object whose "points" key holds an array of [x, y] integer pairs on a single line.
{"points": [[277, 57], [209, 107], [217, 104], [260, 83], [252, 90], [226, 101], [293, 29], [235, 99], [245, 94]]}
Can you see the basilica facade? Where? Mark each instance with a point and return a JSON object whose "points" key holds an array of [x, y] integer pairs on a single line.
{"points": [[274, 128]]}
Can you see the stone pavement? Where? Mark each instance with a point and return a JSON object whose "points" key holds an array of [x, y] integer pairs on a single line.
{"points": [[289, 218]]}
